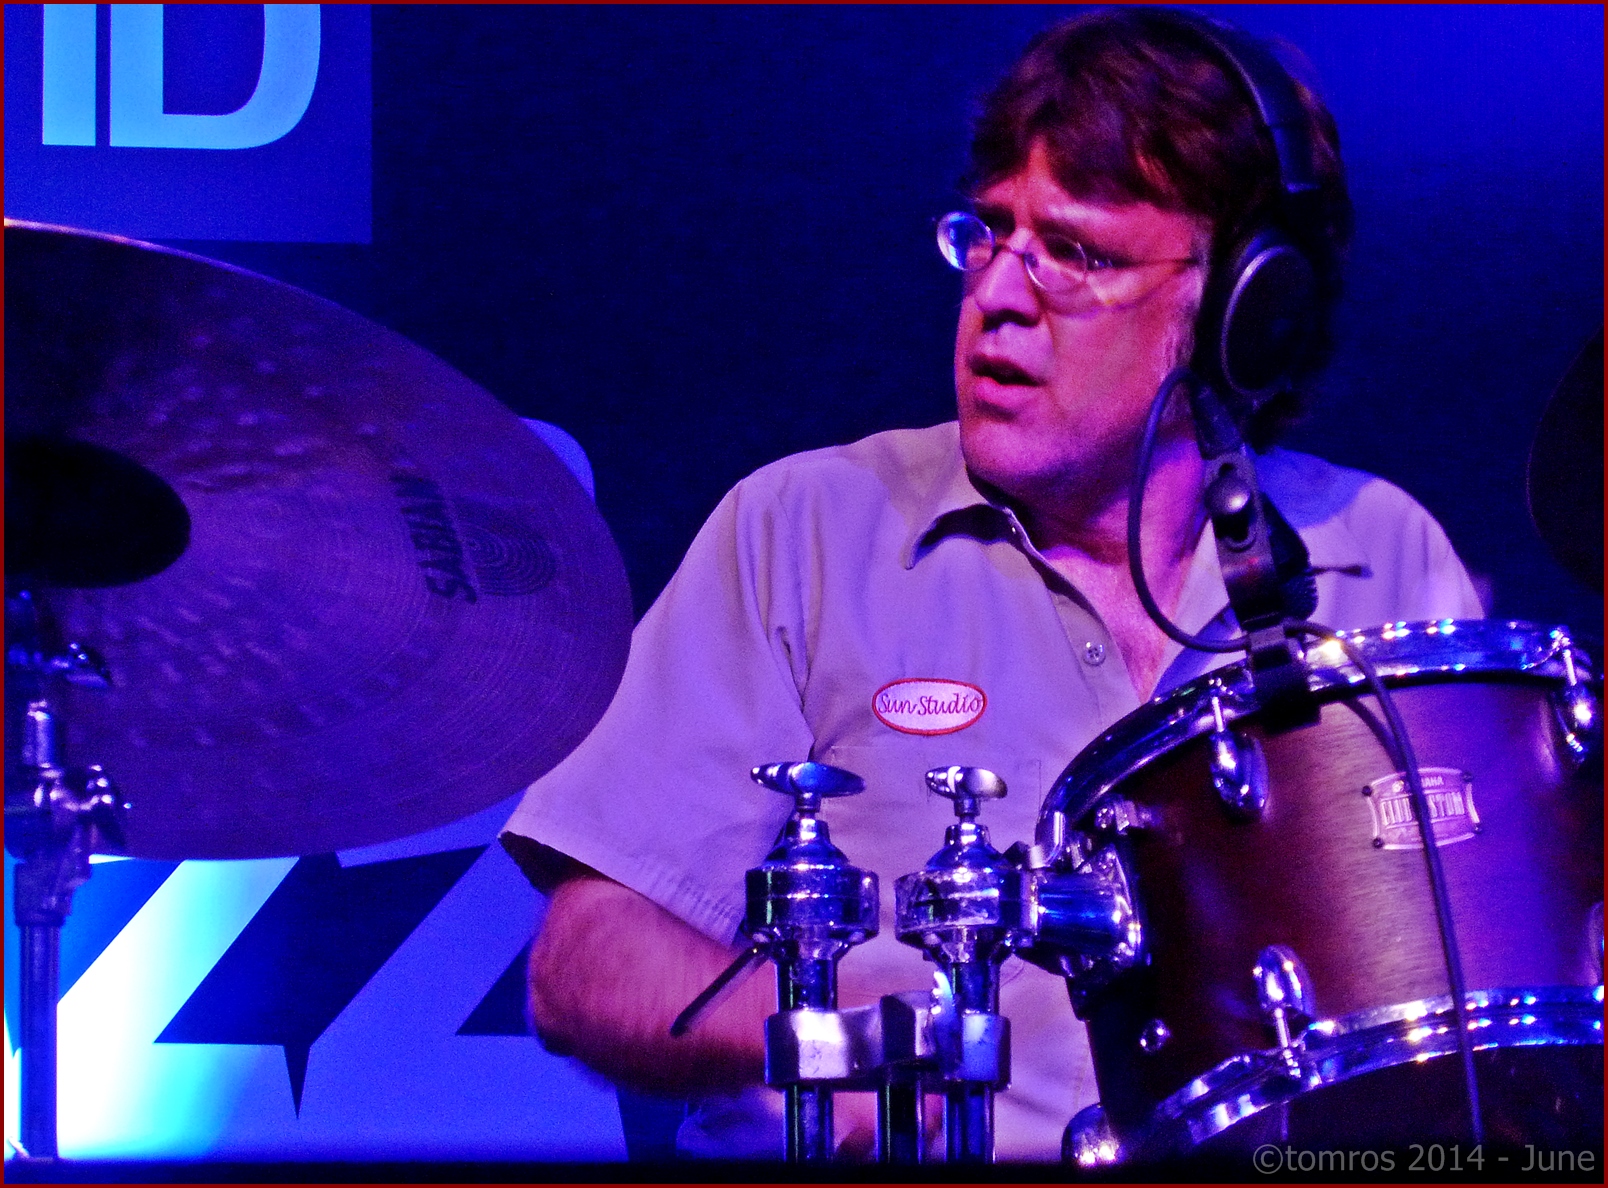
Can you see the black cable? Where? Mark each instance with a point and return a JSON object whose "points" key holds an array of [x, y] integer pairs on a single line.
{"points": [[1147, 447], [1403, 756]]}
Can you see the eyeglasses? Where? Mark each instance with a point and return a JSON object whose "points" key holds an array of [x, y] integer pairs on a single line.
{"points": [[968, 244]]}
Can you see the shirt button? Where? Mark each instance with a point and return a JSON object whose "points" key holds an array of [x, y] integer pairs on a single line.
{"points": [[1094, 653]]}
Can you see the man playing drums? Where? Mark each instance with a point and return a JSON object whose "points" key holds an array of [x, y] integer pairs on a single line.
{"points": [[959, 594]]}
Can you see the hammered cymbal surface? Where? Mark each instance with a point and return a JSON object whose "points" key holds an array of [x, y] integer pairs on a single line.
{"points": [[396, 607]]}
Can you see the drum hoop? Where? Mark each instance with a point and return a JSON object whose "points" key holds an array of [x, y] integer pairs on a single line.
{"points": [[1373, 1040], [1401, 652]]}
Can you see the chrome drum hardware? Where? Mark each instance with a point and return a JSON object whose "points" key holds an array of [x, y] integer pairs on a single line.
{"points": [[1083, 924], [1327, 1054], [965, 911], [1239, 770], [1284, 992], [1579, 714], [807, 906], [1089, 1141]]}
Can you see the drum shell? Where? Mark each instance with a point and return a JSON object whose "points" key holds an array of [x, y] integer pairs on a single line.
{"points": [[1213, 891]]}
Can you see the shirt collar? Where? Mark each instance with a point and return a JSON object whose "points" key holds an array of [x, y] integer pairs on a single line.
{"points": [[953, 505]]}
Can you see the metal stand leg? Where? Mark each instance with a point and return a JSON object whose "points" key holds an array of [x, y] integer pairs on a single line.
{"points": [[808, 983], [41, 978], [806, 908], [899, 1117], [44, 886], [969, 1124], [55, 816], [964, 910], [809, 1123], [969, 1103]]}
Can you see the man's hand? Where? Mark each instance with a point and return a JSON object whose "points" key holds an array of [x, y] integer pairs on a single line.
{"points": [[609, 972]]}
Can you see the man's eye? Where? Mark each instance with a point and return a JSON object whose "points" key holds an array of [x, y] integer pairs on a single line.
{"points": [[1065, 251]]}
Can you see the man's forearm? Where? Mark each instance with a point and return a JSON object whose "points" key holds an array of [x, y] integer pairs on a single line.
{"points": [[611, 970]]}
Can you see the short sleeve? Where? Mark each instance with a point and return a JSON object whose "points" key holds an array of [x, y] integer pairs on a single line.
{"points": [[658, 796], [1380, 556], [1418, 571]]}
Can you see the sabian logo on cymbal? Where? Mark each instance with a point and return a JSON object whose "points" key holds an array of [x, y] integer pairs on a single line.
{"points": [[506, 555], [435, 539]]}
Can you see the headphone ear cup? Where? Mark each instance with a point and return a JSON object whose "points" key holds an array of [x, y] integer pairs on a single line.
{"points": [[1258, 318]]}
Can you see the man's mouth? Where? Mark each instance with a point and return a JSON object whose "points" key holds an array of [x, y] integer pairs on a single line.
{"points": [[1001, 371]]}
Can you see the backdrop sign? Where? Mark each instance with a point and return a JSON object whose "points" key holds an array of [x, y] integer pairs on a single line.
{"points": [[190, 121]]}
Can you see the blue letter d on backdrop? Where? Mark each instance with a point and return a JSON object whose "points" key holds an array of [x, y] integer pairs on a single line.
{"points": [[290, 52]]}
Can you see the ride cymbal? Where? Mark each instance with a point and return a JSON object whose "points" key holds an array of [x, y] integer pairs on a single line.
{"points": [[395, 605]]}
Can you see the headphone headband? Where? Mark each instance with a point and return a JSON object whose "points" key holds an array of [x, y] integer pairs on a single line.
{"points": [[1271, 89], [1259, 317]]}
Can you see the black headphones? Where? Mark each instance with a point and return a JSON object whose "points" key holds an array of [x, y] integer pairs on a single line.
{"points": [[1260, 313]]}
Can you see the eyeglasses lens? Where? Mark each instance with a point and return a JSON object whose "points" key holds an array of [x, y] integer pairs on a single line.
{"points": [[965, 241]]}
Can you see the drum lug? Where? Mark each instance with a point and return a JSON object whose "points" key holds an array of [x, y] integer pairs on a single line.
{"points": [[1284, 994], [1578, 712], [1089, 1141], [1239, 769]]}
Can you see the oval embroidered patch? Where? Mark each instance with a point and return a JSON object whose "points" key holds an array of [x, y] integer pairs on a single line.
{"points": [[925, 705]]}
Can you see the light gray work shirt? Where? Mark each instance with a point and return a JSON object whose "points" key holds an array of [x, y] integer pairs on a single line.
{"points": [[843, 605]]}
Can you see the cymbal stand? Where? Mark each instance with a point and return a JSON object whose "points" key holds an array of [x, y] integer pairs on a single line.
{"points": [[55, 817], [965, 911], [807, 906]]}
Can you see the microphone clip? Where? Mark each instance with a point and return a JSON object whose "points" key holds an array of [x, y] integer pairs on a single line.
{"points": [[1263, 594]]}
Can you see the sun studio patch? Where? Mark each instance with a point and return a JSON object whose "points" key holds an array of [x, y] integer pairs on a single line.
{"points": [[924, 705]]}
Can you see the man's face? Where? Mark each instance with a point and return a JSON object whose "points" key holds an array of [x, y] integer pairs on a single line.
{"points": [[1053, 391]]}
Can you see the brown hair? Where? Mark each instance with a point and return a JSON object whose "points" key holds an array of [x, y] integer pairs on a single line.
{"points": [[1133, 106]]}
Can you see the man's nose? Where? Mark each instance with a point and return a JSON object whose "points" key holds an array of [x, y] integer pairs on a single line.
{"points": [[1004, 290]]}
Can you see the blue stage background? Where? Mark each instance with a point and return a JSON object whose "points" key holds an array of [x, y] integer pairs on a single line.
{"points": [[699, 239]]}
